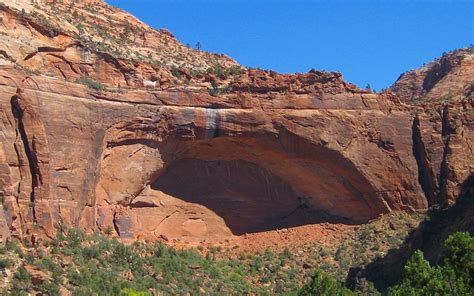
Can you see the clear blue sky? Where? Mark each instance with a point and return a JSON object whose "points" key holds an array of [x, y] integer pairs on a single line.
{"points": [[368, 41]]}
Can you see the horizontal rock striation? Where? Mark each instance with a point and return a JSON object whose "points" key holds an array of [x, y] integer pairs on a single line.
{"points": [[185, 164]]}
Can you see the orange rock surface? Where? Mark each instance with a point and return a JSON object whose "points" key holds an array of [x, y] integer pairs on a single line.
{"points": [[225, 153], [445, 79]]}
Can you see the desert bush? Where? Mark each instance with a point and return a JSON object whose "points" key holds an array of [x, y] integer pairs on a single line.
{"points": [[176, 72], [91, 84], [453, 277], [50, 288], [6, 263], [215, 91], [131, 292], [323, 285]]}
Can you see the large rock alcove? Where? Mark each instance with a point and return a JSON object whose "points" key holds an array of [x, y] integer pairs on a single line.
{"points": [[225, 186]]}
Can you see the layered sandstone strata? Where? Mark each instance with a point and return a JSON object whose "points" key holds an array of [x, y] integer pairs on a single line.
{"points": [[186, 164], [211, 153]]}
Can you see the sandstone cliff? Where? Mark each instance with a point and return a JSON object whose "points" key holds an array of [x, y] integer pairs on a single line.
{"points": [[449, 78], [215, 151]]}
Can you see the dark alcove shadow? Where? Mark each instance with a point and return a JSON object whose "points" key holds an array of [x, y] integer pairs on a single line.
{"points": [[247, 196]]}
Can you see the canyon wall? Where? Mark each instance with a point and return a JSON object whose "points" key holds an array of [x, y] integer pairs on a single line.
{"points": [[185, 164], [215, 150]]}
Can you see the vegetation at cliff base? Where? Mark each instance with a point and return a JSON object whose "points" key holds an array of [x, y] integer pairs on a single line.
{"points": [[455, 276], [99, 265]]}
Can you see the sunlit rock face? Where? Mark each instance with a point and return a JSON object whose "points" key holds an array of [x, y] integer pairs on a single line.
{"points": [[265, 151], [448, 78], [148, 164]]}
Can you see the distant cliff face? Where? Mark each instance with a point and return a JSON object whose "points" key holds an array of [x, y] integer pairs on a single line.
{"points": [[449, 78], [207, 154]]}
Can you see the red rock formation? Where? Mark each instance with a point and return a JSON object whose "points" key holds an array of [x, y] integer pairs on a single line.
{"points": [[214, 153], [92, 40], [444, 90], [205, 165], [31, 132], [445, 79]]}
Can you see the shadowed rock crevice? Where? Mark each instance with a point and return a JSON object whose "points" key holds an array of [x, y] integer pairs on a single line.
{"points": [[35, 200], [18, 114], [436, 73], [425, 172]]}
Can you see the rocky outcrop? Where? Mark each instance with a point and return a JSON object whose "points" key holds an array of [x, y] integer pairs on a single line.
{"points": [[449, 78], [211, 153], [259, 81], [73, 40], [443, 126], [457, 165]]}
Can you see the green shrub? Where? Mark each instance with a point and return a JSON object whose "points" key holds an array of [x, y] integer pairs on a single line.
{"points": [[131, 292], [215, 91], [323, 285], [176, 72], [12, 245], [460, 256], [471, 49], [91, 84], [50, 289], [223, 73], [6, 263], [454, 277], [22, 275], [286, 254]]}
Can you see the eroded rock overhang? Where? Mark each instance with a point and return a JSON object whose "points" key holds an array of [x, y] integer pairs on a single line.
{"points": [[112, 157]]}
